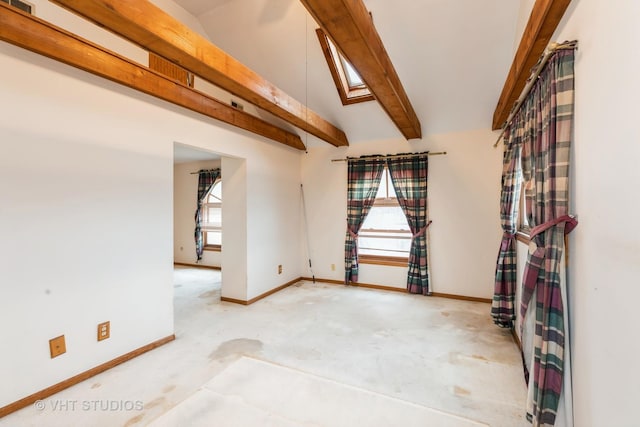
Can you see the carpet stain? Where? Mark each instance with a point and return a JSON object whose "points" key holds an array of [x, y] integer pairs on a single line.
{"points": [[169, 388], [177, 286], [445, 313], [459, 391], [208, 294], [155, 402], [236, 347], [134, 420], [476, 356], [96, 385]]}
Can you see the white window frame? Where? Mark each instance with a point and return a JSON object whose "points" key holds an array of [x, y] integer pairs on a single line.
{"points": [[206, 227], [389, 200]]}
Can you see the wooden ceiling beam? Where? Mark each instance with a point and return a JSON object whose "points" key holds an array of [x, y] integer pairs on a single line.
{"points": [[350, 27], [147, 25], [543, 21], [41, 37]]}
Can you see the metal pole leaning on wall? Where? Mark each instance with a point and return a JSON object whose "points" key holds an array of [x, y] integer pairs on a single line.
{"points": [[306, 231]]}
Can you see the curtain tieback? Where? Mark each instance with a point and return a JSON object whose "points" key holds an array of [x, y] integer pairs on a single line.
{"points": [[507, 238], [569, 220], [536, 259], [422, 230], [352, 234]]}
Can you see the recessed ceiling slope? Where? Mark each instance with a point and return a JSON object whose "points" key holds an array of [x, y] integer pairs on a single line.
{"points": [[451, 56], [351, 28], [153, 29]]}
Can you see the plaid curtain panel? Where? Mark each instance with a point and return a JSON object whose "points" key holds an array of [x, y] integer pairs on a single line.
{"points": [[363, 180], [502, 307], [206, 179], [409, 178], [547, 118]]}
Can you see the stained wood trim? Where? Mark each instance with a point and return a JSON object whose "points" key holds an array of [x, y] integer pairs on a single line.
{"points": [[235, 301], [358, 285], [170, 69], [543, 21], [261, 296], [147, 25], [383, 260], [402, 290], [36, 35], [350, 27], [462, 297], [56, 388], [210, 267]]}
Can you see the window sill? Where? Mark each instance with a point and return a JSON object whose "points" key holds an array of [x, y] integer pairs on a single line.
{"points": [[213, 248], [383, 260], [523, 236]]}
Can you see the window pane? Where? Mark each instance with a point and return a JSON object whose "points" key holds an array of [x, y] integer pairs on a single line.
{"points": [[386, 218], [385, 232], [215, 195], [352, 75], [384, 244], [214, 217], [392, 191], [213, 238], [382, 189]]}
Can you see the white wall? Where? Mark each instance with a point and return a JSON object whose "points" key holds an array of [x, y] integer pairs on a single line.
{"points": [[86, 218], [463, 196], [185, 191], [605, 247]]}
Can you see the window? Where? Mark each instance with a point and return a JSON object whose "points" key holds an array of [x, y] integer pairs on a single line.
{"points": [[385, 237], [522, 225], [212, 218], [351, 87], [22, 5]]}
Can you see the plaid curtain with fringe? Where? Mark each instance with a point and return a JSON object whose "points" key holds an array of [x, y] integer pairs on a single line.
{"points": [[363, 180], [547, 120], [206, 179], [409, 178], [502, 307]]}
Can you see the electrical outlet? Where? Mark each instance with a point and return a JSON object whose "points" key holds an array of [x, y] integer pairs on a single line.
{"points": [[280, 269], [57, 346], [104, 331], [333, 267]]}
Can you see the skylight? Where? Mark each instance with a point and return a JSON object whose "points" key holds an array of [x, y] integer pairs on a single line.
{"points": [[350, 85], [352, 75]]}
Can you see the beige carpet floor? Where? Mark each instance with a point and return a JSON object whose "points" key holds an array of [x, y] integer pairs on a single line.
{"points": [[441, 354], [252, 392]]}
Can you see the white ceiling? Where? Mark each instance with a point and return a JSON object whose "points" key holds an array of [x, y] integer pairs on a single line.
{"points": [[452, 57]]}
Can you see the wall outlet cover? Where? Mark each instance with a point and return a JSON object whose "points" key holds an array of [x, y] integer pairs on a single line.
{"points": [[57, 346], [104, 331]]}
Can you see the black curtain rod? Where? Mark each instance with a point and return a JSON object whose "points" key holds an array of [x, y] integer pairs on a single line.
{"points": [[551, 49], [391, 156], [203, 170]]}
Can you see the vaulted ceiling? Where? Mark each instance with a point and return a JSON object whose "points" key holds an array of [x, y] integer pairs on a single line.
{"points": [[451, 56]]}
